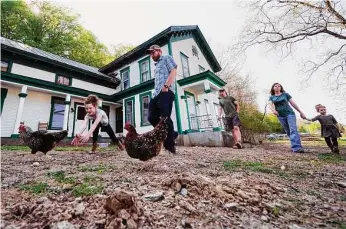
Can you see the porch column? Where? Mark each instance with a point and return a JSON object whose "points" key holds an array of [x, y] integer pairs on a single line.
{"points": [[211, 108], [67, 111], [22, 96]]}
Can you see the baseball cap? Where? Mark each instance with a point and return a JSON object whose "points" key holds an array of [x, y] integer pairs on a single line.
{"points": [[154, 47]]}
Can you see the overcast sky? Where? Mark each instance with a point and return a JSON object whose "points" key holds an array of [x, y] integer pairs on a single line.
{"points": [[133, 22]]}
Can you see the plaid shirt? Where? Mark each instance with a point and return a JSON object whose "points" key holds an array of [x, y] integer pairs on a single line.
{"points": [[163, 67]]}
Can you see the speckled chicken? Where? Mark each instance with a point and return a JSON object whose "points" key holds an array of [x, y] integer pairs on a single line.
{"points": [[148, 145], [40, 140]]}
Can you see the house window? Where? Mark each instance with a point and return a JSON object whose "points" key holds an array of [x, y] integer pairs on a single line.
{"points": [[63, 80], [145, 99], [185, 65], [125, 77], [201, 69], [130, 111], [4, 66], [144, 69], [206, 104], [57, 114]]}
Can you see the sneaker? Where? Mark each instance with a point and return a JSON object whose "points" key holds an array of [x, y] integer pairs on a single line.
{"points": [[299, 151], [336, 149], [94, 148], [237, 145]]}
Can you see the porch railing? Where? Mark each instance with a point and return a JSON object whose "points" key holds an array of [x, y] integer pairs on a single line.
{"points": [[203, 122]]}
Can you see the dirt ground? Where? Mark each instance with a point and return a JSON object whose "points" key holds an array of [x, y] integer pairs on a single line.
{"points": [[262, 187]]}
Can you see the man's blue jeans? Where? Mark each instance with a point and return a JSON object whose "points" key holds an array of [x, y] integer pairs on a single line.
{"points": [[289, 123]]}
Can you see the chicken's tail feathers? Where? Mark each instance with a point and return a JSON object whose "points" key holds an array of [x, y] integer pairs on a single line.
{"points": [[58, 136]]}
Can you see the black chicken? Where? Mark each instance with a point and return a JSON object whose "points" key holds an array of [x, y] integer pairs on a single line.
{"points": [[145, 146], [40, 140]]}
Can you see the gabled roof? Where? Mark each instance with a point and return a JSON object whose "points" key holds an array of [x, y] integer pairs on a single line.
{"points": [[17, 47], [161, 39]]}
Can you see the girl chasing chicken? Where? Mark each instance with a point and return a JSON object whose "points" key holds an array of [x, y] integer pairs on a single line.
{"points": [[99, 119]]}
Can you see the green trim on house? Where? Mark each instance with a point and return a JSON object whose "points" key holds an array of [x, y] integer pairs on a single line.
{"points": [[140, 69], [139, 88], [4, 92], [183, 97], [207, 91], [22, 95], [186, 93], [207, 75], [52, 102], [132, 99], [9, 64], [74, 116], [182, 55], [176, 100], [141, 106], [6, 76], [56, 79], [67, 102], [121, 75], [14, 135]]}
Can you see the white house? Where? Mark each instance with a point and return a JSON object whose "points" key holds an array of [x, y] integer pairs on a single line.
{"points": [[37, 86]]}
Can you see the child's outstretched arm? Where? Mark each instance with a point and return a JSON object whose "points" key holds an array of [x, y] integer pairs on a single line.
{"points": [[85, 137], [76, 139]]}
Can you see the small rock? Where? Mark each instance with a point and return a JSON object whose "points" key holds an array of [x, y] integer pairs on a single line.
{"points": [[242, 194], [79, 209], [100, 196], [178, 187], [325, 205], [186, 224], [42, 200], [264, 218], [230, 205], [35, 164], [100, 222], [265, 212], [295, 226], [64, 225], [282, 167], [157, 196], [183, 191], [341, 183], [78, 199]]}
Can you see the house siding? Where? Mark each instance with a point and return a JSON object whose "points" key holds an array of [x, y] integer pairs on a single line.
{"points": [[92, 87], [32, 72], [185, 46], [9, 112]]}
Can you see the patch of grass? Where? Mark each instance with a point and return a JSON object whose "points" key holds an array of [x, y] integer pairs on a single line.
{"points": [[86, 189], [36, 188], [248, 165], [60, 177], [332, 158], [93, 168], [343, 198], [72, 149], [15, 148], [276, 211]]}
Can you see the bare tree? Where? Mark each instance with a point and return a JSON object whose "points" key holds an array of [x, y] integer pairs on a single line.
{"points": [[288, 25]]}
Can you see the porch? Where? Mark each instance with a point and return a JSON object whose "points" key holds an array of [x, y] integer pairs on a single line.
{"points": [[200, 103]]}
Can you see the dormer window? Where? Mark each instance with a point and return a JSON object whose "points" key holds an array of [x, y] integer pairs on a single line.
{"points": [[63, 80]]}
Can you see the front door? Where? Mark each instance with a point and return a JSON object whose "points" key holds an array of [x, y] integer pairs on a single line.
{"points": [[191, 111], [119, 120], [79, 117]]}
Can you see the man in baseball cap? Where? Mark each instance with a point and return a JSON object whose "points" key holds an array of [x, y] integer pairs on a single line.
{"points": [[161, 104]]}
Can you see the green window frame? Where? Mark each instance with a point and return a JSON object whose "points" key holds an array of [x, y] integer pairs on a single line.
{"points": [[145, 110], [125, 84], [185, 64], [187, 95], [63, 80], [131, 113], [57, 113], [144, 69], [201, 69], [3, 97]]}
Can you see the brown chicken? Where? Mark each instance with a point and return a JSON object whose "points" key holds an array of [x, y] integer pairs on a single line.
{"points": [[40, 140], [145, 146]]}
